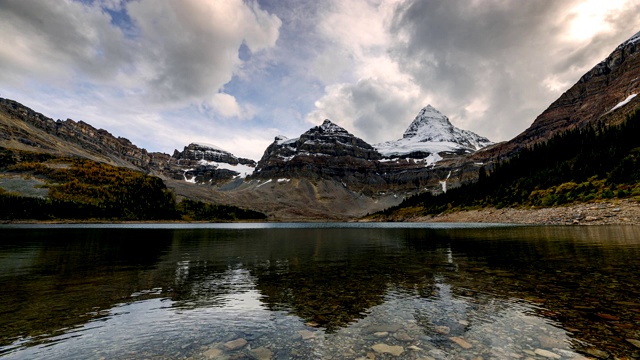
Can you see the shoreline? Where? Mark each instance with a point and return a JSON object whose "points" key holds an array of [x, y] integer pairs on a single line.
{"points": [[613, 212]]}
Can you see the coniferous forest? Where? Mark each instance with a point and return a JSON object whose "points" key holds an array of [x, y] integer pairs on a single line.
{"points": [[579, 165], [85, 189]]}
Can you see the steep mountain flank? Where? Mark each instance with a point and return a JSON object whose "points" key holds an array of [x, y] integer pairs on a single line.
{"points": [[605, 93], [578, 165]]}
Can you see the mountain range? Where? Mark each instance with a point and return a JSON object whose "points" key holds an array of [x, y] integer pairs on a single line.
{"points": [[326, 172]]}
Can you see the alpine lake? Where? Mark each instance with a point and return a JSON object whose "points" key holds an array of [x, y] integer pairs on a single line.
{"points": [[319, 291]]}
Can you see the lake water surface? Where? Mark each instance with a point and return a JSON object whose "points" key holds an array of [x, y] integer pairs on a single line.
{"points": [[319, 291]]}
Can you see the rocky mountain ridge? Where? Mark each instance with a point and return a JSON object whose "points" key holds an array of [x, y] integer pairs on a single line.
{"points": [[325, 150], [330, 152], [208, 152], [24, 128]]}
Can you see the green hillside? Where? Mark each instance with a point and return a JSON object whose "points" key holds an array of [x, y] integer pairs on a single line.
{"points": [[579, 165]]}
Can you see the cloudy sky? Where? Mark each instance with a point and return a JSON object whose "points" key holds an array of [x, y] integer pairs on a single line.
{"points": [[234, 73]]}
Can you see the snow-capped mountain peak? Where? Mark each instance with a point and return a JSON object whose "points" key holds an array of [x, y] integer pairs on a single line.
{"points": [[429, 125], [431, 132], [328, 127]]}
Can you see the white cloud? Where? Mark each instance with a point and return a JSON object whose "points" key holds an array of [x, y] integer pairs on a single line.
{"points": [[193, 51], [182, 52], [226, 105], [377, 100]]}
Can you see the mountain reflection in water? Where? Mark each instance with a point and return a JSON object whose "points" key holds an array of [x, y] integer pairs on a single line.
{"points": [[308, 292]]}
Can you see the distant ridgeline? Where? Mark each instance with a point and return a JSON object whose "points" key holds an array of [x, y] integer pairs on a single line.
{"points": [[578, 165], [73, 188]]}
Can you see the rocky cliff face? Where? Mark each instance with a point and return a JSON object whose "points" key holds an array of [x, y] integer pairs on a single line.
{"points": [[325, 151], [196, 153], [205, 163], [89, 141], [327, 139]]}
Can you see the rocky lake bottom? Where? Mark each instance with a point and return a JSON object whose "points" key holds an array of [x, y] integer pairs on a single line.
{"points": [[320, 291]]}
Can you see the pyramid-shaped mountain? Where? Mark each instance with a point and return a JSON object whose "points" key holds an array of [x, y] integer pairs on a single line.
{"points": [[431, 132]]}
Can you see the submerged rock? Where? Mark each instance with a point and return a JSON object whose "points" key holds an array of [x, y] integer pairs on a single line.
{"points": [[212, 353], [547, 354], [262, 353], [388, 349], [461, 342], [306, 334], [235, 344]]}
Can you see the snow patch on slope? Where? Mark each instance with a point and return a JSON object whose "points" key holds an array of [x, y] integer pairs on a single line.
{"points": [[264, 183], [623, 102], [184, 175], [243, 170], [283, 140], [407, 146]]}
